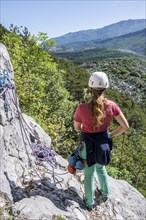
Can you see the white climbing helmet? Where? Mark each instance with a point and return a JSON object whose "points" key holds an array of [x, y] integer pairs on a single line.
{"points": [[98, 80]]}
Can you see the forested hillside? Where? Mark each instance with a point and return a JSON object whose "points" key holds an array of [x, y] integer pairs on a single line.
{"points": [[49, 88], [95, 54], [126, 74]]}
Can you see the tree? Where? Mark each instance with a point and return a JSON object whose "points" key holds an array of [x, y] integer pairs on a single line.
{"points": [[40, 85]]}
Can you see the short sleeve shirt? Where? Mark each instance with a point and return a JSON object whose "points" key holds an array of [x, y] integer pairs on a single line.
{"points": [[84, 115]]}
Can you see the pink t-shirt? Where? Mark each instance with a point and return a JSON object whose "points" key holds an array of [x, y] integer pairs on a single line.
{"points": [[84, 115]]}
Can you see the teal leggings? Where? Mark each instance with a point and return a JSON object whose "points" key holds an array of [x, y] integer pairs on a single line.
{"points": [[89, 180]]}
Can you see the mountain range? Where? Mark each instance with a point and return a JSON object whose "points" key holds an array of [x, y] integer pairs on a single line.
{"points": [[129, 35]]}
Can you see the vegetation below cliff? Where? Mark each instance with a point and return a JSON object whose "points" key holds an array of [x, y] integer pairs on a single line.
{"points": [[49, 89]]}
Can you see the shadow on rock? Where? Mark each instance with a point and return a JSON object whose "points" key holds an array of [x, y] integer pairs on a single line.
{"points": [[62, 198]]}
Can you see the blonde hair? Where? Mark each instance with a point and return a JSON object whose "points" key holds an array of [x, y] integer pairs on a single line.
{"points": [[97, 106]]}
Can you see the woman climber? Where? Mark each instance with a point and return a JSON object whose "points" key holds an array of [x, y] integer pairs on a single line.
{"points": [[93, 119]]}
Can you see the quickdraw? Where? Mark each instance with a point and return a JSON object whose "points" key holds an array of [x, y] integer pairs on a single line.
{"points": [[5, 85]]}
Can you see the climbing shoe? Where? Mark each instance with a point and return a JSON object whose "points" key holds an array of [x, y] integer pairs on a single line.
{"points": [[104, 198], [99, 197], [97, 193], [90, 208]]}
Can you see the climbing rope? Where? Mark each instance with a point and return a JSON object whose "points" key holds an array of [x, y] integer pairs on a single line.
{"points": [[41, 151]]}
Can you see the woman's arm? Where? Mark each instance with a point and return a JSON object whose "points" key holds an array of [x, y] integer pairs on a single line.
{"points": [[123, 125], [77, 126]]}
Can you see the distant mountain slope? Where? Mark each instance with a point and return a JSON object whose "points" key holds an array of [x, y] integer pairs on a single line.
{"points": [[134, 42], [113, 30], [95, 54]]}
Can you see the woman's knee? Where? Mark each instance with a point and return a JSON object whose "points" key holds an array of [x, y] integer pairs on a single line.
{"points": [[100, 168], [89, 171]]}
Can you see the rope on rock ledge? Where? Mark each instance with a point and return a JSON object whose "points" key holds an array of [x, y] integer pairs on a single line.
{"points": [[41, 151]]}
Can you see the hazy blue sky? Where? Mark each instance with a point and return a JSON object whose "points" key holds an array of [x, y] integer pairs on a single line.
{"points": [[59, 17]]}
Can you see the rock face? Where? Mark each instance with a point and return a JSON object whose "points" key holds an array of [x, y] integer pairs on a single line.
{"points": [[31, 189]]}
